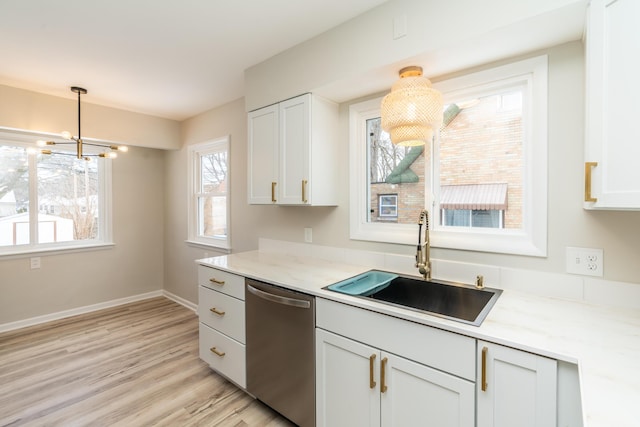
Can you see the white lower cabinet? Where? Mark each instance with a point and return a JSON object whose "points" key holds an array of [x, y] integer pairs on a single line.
{"points": [[515, 388], [360, 385], [377, 370], [222, 323]]}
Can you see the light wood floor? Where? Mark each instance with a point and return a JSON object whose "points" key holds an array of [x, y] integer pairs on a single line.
{"points": [[132, 365]]}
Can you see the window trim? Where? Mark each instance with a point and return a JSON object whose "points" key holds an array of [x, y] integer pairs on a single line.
{"points": [[531, 240], [27, 139], [195, 151]]}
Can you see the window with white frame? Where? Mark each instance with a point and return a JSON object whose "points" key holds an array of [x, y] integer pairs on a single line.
{"points": [[483, 178], [51, 202], [209, 193]]}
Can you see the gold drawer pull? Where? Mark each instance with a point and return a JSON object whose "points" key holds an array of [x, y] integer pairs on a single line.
{"points": [[216, 311], [273, 192], [588, 166], [383, 384], [216, 281], [372, 359], [217, 352], [484, 369]]}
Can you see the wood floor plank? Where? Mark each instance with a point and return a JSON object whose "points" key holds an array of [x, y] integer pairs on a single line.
{"points": [[132, 365]]}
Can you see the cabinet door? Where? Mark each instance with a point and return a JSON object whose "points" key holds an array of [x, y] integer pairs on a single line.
{"points": [[515, 388], [263, 155], [418, 395], [345, 393], [295, 144], [613, 90]]}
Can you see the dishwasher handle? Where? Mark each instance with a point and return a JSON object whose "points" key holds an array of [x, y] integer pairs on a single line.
{"points": [[279, 299]]}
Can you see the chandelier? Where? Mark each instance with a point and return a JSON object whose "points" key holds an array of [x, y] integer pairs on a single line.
{"points": [[412, 110], [112, 150]]}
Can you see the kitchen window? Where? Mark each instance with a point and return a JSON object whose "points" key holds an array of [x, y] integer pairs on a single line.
{"points": [[51, 202], [483, 178], [209, 193]]}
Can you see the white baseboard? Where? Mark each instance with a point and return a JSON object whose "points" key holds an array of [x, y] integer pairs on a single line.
{"points": [[82, 310], [181, 301]]}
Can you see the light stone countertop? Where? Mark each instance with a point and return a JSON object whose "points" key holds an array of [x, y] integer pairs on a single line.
{"points": [[603, 341]]}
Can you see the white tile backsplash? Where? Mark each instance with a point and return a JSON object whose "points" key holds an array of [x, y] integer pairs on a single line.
{"points": [[565, 286], [554, 285]]}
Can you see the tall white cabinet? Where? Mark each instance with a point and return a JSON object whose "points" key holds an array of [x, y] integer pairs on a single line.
{"points": [[293, 149], [515, 388], [612, 175]]}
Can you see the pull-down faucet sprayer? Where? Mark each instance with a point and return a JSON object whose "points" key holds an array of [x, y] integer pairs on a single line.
{"points": [[423, 262]]}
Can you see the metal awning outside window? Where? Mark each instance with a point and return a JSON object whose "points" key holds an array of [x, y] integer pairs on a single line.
{"points": [[474, 197]]}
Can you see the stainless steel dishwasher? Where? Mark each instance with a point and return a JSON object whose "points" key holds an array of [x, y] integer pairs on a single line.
{"points": [[280, 334]]}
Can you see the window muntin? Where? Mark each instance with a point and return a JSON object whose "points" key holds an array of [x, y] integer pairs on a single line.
{"points": [[209, 204], [50, 202], [516, 95]]}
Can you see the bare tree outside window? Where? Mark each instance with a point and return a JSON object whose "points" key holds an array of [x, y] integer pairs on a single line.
{"points": [[67, 197], [70, 188], [214, 187], [383, 154]]}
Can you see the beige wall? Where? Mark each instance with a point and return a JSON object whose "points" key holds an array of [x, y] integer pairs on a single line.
{"points": [[150, 213], [23, 109], [569, 224], [132, 267], [362, 56]]}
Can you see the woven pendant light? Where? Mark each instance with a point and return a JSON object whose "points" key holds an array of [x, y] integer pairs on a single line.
{"points": [[412, 110]]}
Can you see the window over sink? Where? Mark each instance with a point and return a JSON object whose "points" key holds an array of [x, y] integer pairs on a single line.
{"points": [[483, 178]]}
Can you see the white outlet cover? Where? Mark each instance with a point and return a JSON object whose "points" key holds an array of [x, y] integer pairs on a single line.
{"points": [[585, 261]]}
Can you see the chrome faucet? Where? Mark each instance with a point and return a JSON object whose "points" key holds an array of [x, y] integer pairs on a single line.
{"points": [[423, 256]]}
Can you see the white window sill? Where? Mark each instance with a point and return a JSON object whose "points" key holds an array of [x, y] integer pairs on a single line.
{"points": [[195, 244], [31, 251]]}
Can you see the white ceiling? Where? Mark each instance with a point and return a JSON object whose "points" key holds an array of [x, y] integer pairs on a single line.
{"points": [[172, 59]]}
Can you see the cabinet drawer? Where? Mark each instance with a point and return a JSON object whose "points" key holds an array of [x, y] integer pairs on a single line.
{"points": [[228, 283], [433, 347], [230, 362], [221, 312]]}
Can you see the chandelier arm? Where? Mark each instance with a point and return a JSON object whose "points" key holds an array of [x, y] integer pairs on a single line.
{"points": [[96, 144]]}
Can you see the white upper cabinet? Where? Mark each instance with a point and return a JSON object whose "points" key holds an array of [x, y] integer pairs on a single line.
{"points": [[263, 155], [612, 175], [293, 150]]}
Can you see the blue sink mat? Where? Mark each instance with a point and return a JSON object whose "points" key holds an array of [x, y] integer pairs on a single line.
{"points": [[364, 284]]}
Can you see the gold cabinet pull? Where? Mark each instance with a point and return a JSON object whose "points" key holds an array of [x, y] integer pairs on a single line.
{"points": [[372, 383], [588, 167], [216, 311], [217, 352], [304, 186], [383, 366], [216, 281], [483, 385], [273, 192]]}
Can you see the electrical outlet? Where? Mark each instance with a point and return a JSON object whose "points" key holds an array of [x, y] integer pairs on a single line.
{"points": [[585, 261], [307, 235], [35, 262]]}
